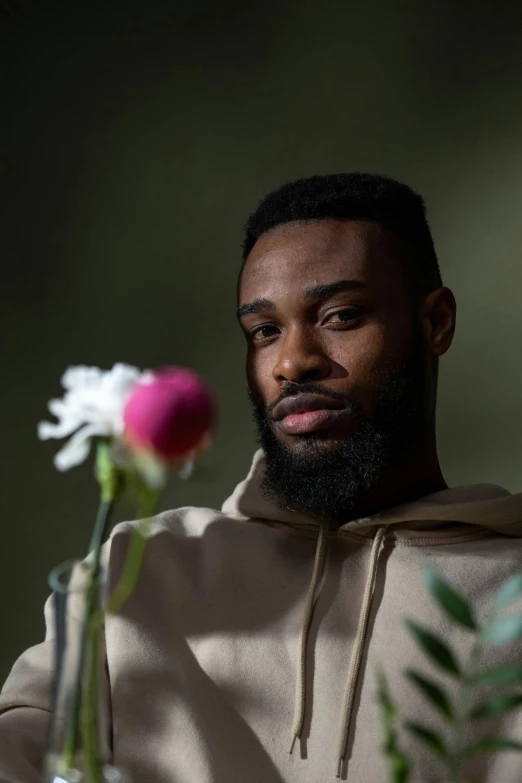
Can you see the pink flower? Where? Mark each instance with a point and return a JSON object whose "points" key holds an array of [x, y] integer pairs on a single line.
{"points": [[170, 415]]}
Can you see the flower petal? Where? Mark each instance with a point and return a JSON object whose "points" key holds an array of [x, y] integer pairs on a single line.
{"points": [[122, 377], [48, 429], [77, 448], [92, 404], [69, 421], [80, 376]]}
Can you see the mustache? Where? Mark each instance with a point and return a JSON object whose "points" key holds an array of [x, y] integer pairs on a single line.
{"points": [[295, 389]]}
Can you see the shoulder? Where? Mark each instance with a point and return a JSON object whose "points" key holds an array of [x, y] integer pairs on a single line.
{"points": [[189, 550], [199, 528], [190, 527], [185, 522]]}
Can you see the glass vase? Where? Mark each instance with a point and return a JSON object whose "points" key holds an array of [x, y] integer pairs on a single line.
{"points": [[78, 749]]}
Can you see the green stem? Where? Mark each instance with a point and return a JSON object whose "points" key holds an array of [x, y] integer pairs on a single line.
{"points": [[100, 528], [135, 554], [92, 597], [131, 568], [462, 711], [84, 722], [89, 715]]}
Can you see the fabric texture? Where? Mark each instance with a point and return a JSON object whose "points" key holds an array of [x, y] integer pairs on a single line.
{"points": [[254, 631]]}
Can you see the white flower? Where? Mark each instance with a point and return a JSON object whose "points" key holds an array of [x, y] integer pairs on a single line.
{"points": [[92, 406]]}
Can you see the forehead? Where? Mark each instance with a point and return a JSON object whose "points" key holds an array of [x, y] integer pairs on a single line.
{"points": [[299, 255]]}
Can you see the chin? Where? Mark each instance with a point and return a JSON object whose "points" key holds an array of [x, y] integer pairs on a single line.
{"points": [[312, 443]]}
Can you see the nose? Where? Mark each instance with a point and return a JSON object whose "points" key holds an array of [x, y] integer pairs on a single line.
{"points": [[300, 359]]}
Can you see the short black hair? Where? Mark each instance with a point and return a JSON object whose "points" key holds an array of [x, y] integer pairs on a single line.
{"points": [[355, 196]]}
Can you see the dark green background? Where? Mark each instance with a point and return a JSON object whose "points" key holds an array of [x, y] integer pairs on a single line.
{"points": [[136, 137]]}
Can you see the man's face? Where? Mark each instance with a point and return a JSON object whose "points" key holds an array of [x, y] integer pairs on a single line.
{"points": [[335, 362]]}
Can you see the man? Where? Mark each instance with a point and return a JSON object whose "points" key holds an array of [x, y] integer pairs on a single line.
{"points": [[245, 653]]}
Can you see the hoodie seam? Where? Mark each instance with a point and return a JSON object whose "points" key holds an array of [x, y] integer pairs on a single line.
{"points": [[461, 538], [417, 541], [357, 538]]}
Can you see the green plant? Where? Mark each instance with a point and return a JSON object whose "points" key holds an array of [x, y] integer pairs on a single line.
{"points": [[470, 704], [398, 764]]}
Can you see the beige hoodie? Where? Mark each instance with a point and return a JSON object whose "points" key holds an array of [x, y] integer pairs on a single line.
{"points": [[253, 631]]}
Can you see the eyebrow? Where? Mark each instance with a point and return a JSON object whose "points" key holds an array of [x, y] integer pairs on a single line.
{"points": [[316, 292]]}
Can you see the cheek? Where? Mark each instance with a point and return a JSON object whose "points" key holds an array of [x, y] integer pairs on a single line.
{"points": [[366, 356], [259, 375], [359, 352]]}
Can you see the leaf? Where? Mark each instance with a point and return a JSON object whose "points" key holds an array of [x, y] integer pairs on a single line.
{"points": [[439, 652], [497, 705], [492, 745], [506, 674], [388, 709], [450, 601], [429, 737], [507, 629], [510, 591], [399, 767], [433, 692]]}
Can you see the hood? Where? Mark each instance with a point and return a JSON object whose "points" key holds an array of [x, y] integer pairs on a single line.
{"points": [[486, 506]]}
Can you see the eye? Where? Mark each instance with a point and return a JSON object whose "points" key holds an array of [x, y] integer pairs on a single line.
{"points": [[344, 316], [263, 332]]}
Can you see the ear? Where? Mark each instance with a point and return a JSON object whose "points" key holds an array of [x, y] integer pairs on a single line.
{"points": [[438, 314]]}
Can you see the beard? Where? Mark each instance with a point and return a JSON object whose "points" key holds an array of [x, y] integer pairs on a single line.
{"points": [[325, 478]]}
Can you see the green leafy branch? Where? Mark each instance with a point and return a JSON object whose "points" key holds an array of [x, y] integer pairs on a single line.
{"points": [[454, 747]]}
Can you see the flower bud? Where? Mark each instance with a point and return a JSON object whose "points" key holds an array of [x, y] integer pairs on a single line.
{"points": [[170, 414]]}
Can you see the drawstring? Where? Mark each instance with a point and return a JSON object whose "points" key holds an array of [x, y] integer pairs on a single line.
{"points": [[300, 686], [358, 647]]}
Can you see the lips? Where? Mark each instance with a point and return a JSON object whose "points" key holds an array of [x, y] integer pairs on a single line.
{"points": [[308, 413]]}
